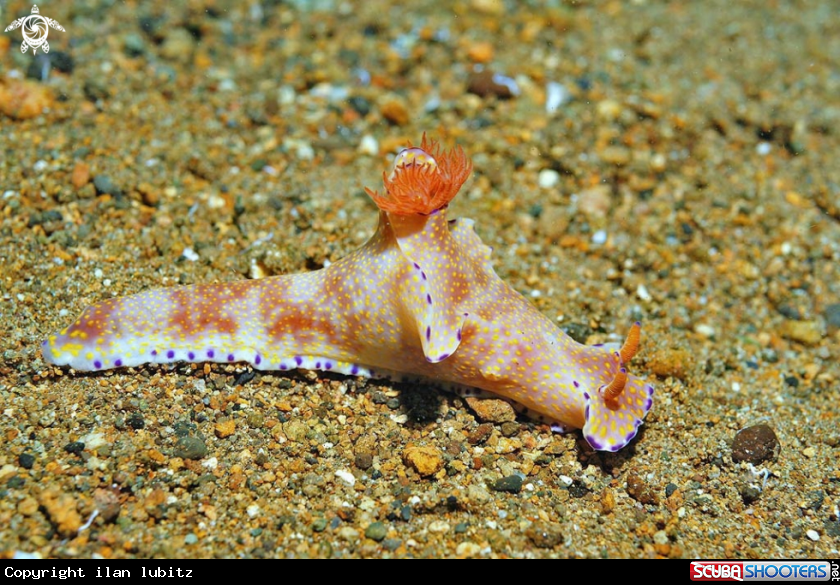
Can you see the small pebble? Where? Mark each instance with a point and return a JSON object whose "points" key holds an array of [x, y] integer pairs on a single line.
{"points": [[425, 460], [491, 409], [813, 535], [485, 83], [189, 447], [104, 185], [548, 178], [26, 460], [511, 484], [369, 146], [755, 444], [376, 531]]}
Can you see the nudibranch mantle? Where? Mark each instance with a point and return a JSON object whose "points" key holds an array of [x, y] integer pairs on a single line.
{"points": [[420, 298]]}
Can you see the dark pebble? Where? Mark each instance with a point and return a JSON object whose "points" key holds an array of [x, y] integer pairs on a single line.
{"points": [[393, 403], [104, 184], [510, 429], [244, 377], [578, 490], [379, 398], [511, 484], [135, 421], [133, 45], [792, 381], [461, 527], [190, 448], [75, 447], [755, 444], [15, 482], [640, 491], [749, 493], [183, 428], [360, 104], [364, 460], [544, 535], [486, 83], [480, 434], [832, 316], [376, 531], [670, 489], [405, 513], [26, 460], [42, 217], [319, 524]]}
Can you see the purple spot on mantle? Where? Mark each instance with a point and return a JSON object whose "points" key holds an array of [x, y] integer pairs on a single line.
{"points": [[118, 363], [595, 444], [598, 345], [575, 382], [230, 357], [283, 366], [417, 266], [298, 360], [154, 352], [429, 298], [459, 335], [97, 364], [423, 274], [191, 355], [443, 356], [428, 333], [354, 370], [170, 354], [257, 359], [317, 365], [328, 365], [586, 395], [210, 353], [648, 404]]}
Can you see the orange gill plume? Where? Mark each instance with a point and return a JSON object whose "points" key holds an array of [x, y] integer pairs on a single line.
{"points": [[424, 180]]}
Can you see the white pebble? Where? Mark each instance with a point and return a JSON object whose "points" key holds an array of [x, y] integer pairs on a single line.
{"points": [[566, 480], [40, 166], [599, 237], [348, 477], [369, 145], [548, 178], [763, 148], [704, 330], [98, 273], [556, 95], [736, 387], [813, 535], [642, 293], [190, 254]]}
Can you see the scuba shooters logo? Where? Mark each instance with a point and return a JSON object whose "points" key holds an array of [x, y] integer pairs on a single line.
{"points": [[763, 571], [35, 30]]}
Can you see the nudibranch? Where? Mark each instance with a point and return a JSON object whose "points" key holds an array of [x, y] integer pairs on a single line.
{"points": [[419, 299]]}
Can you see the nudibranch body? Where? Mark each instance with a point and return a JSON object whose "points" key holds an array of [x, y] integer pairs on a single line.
{"points": [[420, 298]]}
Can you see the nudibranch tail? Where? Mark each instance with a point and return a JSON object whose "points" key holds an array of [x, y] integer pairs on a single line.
{"points": [[614, 413], [424, 180]]}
